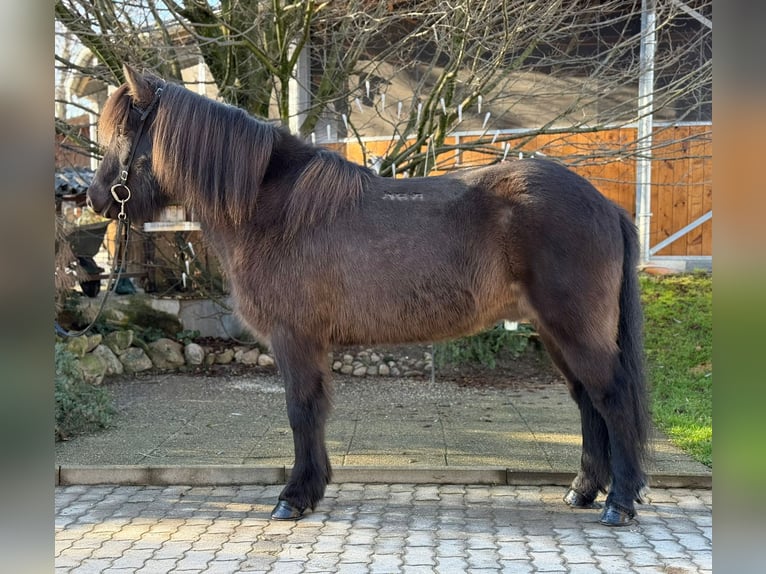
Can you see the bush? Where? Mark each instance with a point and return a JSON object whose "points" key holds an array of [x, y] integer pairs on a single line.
{"points": [[484, 348], [80, 407]]}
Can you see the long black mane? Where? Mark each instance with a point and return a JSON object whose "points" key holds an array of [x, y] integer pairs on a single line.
{"points": [[215, 158]]}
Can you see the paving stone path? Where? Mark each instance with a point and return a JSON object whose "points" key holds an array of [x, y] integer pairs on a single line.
{"points": [[371, 528]]}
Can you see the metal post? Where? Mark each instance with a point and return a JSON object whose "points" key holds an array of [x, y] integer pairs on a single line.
{"points": [[645, 111], [299, 98], [201, 76]]}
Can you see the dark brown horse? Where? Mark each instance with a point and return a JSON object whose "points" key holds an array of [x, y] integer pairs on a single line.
{"points": [[323, 252]]}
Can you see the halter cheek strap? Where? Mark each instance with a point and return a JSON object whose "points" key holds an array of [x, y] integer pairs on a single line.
{"points": [[120, 190], [123, 228]]}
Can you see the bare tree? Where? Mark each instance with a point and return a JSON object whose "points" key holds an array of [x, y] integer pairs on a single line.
{"points": [[555, 67], [415, 72]]}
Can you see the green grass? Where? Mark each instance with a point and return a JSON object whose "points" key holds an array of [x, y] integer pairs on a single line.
{"points": [[678, 329]]}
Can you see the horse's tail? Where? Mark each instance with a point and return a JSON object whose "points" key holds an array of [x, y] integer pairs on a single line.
{"points": [[630, 336]]}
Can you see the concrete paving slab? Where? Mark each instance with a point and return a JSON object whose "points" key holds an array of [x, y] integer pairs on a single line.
{"points": [[177, 420]]}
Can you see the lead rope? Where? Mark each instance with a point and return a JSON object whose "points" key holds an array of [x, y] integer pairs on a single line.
{"points": [[120, 253]]}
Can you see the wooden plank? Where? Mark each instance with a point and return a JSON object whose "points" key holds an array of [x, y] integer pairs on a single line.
{"points": [[354, 152], [680, 216], [663, 181], [627, 170], [474, 158], [707, 190], [695, 187], [610, 171]]}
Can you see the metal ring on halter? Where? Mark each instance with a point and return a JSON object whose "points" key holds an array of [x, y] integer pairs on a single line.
{"points": [[122, 202], [116, 197]]}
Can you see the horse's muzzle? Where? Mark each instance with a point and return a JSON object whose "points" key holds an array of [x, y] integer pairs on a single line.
{"points": [[107, 209]]}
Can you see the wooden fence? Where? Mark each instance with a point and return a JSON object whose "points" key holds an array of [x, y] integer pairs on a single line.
{"points": [[682, 183]]}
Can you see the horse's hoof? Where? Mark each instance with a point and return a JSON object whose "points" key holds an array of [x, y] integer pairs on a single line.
{"points": [[577, 500], [285, 511], [614, 515]]}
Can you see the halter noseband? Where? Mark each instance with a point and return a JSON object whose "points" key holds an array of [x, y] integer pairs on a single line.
{"points": [[123, 183]]}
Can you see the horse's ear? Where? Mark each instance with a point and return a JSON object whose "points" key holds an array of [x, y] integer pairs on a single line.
{"points": [[139, 89]]}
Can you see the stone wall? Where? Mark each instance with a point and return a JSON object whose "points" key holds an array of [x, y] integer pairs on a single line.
{"points": [[121, 352]]}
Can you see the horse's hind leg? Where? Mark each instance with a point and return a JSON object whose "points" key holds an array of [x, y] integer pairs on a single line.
{"points": [[594, 474], [302, 364], [604, 398]]}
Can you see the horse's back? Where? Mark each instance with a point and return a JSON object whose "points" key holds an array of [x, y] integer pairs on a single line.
{"points": [[534, 180]]}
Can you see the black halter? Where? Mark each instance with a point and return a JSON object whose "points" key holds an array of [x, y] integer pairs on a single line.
{"points": [[123, 227], [125, 169]]}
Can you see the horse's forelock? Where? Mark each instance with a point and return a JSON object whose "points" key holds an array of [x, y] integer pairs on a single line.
{"points": [[113, 114]]}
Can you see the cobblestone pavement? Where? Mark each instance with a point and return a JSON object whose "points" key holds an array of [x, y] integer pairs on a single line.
{"points": [[360, 528]]}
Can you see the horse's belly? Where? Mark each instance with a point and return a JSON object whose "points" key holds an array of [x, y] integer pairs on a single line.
{"points": [[422, 316]]}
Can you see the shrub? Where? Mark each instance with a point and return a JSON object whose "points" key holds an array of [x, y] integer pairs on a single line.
{"points": [[484, 348], [80, 407]]}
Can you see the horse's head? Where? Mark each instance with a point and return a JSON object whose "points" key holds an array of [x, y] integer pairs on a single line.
{"points": [[125, 182]]}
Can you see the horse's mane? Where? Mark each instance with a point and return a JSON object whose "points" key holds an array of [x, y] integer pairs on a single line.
{"points": [[327, 185], [209, 155], [213, 157]]}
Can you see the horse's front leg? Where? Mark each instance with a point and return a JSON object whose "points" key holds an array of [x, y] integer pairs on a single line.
{"points": [[303, 365]]}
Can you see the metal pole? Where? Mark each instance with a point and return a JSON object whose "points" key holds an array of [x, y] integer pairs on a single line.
{"points": [[645, 111], [299, 98]]}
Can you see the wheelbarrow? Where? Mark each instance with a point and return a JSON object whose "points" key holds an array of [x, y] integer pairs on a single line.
{"points": [[85, 241]]}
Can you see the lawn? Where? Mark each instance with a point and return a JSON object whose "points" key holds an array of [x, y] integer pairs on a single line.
{"points": [[678, 328]]}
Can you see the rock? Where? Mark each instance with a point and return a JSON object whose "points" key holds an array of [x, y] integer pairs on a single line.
{"points": [[209, 358], [119, 341], [384, 370], [265, 360], [78, 346], [374, 358], [372, 370], [135, 360], [194, 354], [116, 317], [347, 369], [413, 373], [348, 359], [336, 366], [250, 357], [93, 369], [145, 316], [166, 353], [359, 371], [225, 357], [93, 342], [395, 372], [113, 364]]}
